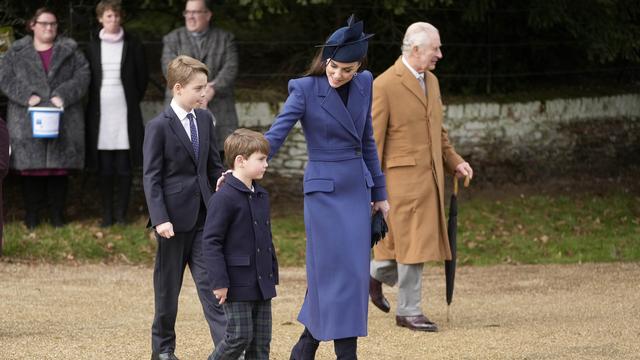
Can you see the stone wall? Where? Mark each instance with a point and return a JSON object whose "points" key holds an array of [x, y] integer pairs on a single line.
{"points": [[510, 141]]}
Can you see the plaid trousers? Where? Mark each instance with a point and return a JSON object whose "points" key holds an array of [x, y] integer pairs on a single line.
{"points": [[248, 330]]}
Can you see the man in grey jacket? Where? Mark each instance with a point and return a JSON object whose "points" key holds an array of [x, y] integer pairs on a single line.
{"points": [[215, 48]]}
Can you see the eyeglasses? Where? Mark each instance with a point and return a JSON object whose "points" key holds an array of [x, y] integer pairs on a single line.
{"points": [[193, 12], [46, 24]]}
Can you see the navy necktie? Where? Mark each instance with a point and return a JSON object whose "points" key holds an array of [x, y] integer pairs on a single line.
{"points": [[194, 135]]}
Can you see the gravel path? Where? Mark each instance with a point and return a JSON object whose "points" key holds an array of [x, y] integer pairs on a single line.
{"points": [[589, 311]]}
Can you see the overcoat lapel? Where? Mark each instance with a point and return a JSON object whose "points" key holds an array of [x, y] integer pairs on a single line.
{"points": [[177, 128], [431, 90], [355, 104], [59, 56], [96, 51], [34, 62], [125, 45], [332, 103], [410, 82]]}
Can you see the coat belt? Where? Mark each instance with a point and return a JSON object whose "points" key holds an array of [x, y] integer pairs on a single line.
{"points": [[340, 154]]}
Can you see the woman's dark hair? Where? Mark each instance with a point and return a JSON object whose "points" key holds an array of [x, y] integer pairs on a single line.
{"points": [[36, 15], [113, 5], [318, 66]]}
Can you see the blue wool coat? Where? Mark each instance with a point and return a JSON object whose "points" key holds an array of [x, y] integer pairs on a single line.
{"points": [[342, 177], [236, 242]]}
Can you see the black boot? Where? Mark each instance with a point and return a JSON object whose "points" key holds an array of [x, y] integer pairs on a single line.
{"points": [[57, 192], [346, 349], [33, 188], [106, 190], [122, 200], [305, 348]]}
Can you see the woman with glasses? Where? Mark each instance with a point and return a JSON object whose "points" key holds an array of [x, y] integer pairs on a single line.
{"points": [[45, 70], [114, 121]]}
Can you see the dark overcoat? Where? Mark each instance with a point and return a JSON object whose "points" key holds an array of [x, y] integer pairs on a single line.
{"points": [[341, 179], [134, 75], [22, 75], [236, 242], [175, 183]]}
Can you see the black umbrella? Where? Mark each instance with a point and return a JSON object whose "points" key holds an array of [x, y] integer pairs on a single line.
{"points": [[452, 229]]}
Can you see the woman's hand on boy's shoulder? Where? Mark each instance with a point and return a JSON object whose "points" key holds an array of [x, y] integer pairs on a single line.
{"points": [[220, 181]]}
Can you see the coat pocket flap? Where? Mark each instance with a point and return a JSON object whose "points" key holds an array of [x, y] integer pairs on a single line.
{"points": [[321, 185], [238, 261], [173, 188], [400, 161]]}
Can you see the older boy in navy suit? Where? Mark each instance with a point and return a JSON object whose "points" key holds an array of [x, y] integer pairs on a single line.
{"points": [[238, 250], [181, 162]]}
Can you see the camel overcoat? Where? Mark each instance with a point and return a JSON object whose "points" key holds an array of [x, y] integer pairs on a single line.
{"points": [[414, 151]]}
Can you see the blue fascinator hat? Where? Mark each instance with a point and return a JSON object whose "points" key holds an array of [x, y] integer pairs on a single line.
{"points": [[347, 44]]}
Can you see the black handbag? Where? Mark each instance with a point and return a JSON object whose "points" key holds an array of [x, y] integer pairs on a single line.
{"points": [[379, 228]]}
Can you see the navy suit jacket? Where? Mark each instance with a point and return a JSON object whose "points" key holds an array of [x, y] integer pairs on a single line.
{"points": [[175, 185], [236, 242]]}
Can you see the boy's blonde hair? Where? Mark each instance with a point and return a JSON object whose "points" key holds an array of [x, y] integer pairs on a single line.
{"points": [[244, 142], [182, 69]]}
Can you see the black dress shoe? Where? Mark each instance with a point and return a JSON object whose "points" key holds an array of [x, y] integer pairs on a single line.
{"points": [[377, 297], [163, 356], [417, 323]]}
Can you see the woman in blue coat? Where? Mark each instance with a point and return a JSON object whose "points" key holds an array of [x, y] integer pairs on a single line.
{"points": [[341, 182]]}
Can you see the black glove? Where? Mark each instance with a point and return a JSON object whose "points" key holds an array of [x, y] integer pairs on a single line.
{"points": [[378, 228]]}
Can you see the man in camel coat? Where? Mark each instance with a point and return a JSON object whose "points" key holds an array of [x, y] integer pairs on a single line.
{"points": [[414, 151]]}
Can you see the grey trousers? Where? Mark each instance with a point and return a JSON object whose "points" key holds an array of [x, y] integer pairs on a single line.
{"points": [[409, 280]]}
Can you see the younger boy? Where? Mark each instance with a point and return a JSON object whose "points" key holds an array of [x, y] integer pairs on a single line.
{"points": [[238, 250], [181, 162]]}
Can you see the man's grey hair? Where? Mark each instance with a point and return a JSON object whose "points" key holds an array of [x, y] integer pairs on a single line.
{"points": [[207, 3], [417, 34]]}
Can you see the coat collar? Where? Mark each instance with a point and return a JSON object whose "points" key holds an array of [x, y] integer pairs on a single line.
{"points": [[332, 103], [207, 43], [229, 179], [96, 51], [409, 80], [63, 47]]}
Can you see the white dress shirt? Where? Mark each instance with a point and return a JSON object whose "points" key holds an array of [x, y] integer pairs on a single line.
{"points": [[413, 71], [182, 115]]}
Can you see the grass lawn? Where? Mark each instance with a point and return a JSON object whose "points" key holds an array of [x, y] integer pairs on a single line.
{"points": [[515, 229]]}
